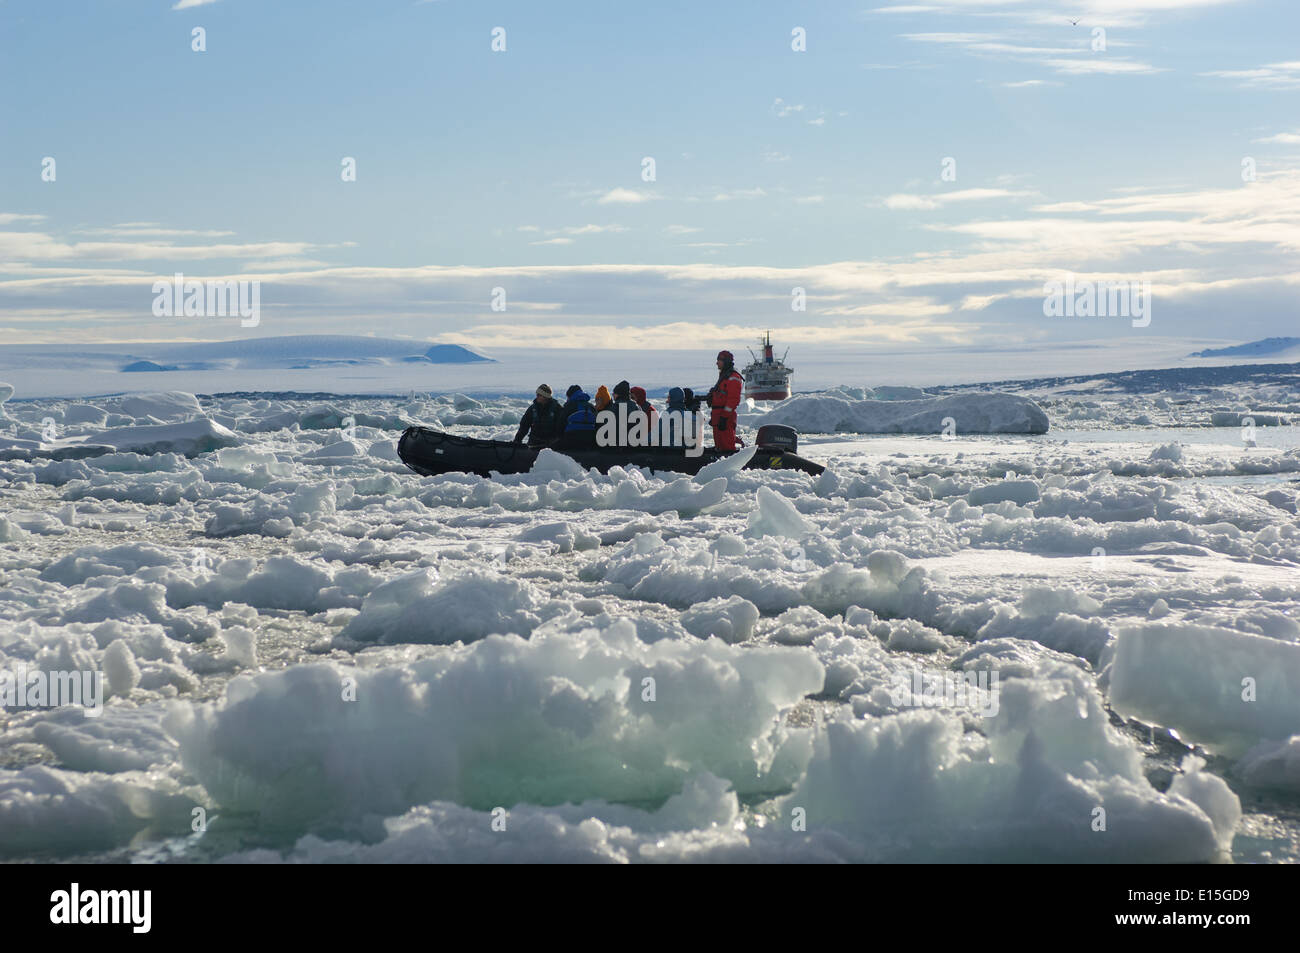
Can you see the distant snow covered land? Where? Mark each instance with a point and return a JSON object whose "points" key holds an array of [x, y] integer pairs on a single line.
{"points": [[977, 641]]}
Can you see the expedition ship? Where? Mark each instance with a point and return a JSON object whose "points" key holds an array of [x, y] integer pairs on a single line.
{"points": [[767, 378]]}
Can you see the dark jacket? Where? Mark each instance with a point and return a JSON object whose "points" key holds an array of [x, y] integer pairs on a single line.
{"points": [[623, 395], [543, 421]]}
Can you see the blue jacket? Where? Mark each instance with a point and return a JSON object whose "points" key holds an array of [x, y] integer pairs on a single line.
{"points": [[578, 413]]}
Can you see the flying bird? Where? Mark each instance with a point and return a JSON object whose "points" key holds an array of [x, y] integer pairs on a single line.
{"points": [[1074, 23]]}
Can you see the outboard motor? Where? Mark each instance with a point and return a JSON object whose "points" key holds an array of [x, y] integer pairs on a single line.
{"points": [[778, 437]]}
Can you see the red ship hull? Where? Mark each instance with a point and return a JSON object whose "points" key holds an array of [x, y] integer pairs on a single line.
{"points": [[768, 394]]}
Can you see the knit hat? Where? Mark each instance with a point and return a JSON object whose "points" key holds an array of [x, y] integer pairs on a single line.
{"points": [[621, 389], [573, 389], [543, 389]]}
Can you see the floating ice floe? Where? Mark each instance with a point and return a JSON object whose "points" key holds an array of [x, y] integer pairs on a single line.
{"points": [[965, 414], [188, 439], [1223, 689], [562, 717]]}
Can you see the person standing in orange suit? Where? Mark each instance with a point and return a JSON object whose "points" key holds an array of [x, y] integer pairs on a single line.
{"points": [[724, 398]]}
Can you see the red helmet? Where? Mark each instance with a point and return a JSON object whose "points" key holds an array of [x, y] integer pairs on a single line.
{"points": [[727, 356]]}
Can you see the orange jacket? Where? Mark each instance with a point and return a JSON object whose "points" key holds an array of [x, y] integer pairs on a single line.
{"points": [[725, 396]]}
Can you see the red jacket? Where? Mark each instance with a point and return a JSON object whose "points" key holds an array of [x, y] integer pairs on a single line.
{"points": [[639, 398], [725, 396]]}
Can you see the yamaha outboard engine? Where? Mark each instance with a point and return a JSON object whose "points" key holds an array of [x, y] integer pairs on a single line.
{"points": [[778, 437]]}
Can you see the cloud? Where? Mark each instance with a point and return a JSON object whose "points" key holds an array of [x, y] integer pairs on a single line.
{"points": [[1099, 64], [940, 199], [188, 4], [1282, 138], [625, 197], [18, 218], [1227, 257], [562, 236], [287, 264], [592, 229], [1089, 13], [1068, 60], [138, 229], [755, 193], [694, 335], [781, 109], [40, 247], [962, 38], [1273, 76]]}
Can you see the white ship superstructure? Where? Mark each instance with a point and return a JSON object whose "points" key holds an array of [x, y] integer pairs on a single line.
{"points": [[768, 378]]}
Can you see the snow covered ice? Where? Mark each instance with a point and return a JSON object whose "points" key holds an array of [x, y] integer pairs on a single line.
{"points": [[339, 660]]}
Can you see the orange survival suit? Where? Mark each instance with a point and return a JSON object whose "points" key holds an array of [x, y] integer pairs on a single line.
{"points": [[724, 398]]}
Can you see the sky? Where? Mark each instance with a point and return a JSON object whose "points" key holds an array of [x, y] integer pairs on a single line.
{"points": [[920, 172]]}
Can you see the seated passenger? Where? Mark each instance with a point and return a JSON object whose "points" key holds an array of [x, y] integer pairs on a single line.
{"points": [[568, 404], [647, 408], [623, 395], [675, 421], [541, 421], [579, 423]]}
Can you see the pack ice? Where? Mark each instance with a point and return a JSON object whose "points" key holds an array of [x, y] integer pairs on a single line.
{"points": [[989, 643]]}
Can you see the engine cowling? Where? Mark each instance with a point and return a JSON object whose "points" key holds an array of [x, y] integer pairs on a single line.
{"points": [[778, 437]]}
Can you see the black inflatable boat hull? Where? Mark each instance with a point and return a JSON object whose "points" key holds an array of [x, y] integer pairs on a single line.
{"points": [[432, 452]]}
